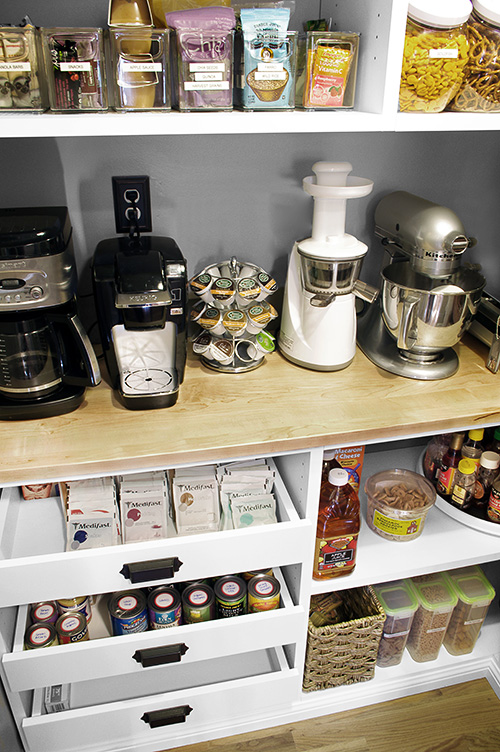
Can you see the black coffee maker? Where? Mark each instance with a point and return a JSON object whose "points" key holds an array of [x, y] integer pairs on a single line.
{"points": [[140, 289], [46, 358]]}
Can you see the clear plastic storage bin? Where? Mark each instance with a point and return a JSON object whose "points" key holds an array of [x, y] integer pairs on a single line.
{"points": [[74, 68], [21, 70], [330, 70], [436, 601], [474, 593], [399, 603]]}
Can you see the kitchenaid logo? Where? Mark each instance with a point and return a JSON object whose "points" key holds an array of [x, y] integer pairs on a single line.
{"points": [[12, 265], [440, 255]]}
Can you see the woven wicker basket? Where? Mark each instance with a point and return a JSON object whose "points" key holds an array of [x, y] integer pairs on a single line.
{"points": [[345, 653]]}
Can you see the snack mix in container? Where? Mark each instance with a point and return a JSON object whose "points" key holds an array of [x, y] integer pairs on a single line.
{"points": [[480, 90], [474, 593], [399, 603], [435, 54], [436, 601]]}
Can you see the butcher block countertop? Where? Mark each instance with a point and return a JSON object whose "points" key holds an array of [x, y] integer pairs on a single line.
{"points": [[279, 407]]}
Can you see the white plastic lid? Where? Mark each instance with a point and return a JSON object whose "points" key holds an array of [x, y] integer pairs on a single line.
{"points": [[441, 13], [488, 9], [490, 460], [338, 476]]}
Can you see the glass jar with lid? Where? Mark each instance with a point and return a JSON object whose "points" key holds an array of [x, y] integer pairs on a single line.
{"points": [[480, 89], [435, 54]]}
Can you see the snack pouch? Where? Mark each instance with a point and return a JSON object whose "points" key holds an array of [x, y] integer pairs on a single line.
{"points": [[328, 65], [269, 60], [204, 38]]}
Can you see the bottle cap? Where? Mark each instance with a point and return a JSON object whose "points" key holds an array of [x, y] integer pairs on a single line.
{"points": [[443, 13], [490, 460], [338, 476], [467, 466], [489, 10], [476, 434]]}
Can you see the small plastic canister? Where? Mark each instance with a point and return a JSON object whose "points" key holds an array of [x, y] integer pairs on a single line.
{"points": [[436, 601], [435, 53], [399, 603], [480, 90], [474, 593]]}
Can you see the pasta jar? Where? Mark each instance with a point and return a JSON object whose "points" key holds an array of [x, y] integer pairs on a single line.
{"points": [[435, 54], [480, 90]]}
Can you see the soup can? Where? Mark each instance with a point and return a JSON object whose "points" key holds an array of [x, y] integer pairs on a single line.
{"points": [[128, 611], [198, 603], [81, 605], [164, 608], [44, 613], [40, 636], [72, 627], [230, 596], [263, 593], [247, 576]]}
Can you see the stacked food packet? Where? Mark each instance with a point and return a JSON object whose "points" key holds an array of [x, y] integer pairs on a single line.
{"points": [[91, 513], [144, 502]]}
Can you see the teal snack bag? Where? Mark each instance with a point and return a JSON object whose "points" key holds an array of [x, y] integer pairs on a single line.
{"points": [[269, 51]]}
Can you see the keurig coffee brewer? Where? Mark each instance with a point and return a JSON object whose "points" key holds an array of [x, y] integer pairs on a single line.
{"points": [[140, 293], [46, 358]]}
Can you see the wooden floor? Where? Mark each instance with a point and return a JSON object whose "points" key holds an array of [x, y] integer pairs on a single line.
{"points": [[461, 718]]}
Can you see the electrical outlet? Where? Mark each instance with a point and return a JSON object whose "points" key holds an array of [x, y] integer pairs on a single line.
{"points": [[130, 192]]}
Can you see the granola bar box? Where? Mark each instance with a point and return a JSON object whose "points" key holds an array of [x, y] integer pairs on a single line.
{"points": [[436, 601], [474, 593]]}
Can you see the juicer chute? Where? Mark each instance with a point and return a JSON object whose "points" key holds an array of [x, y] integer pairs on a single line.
{"points": [[318, 327]]}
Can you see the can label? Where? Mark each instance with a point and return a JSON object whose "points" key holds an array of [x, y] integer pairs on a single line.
{"points": [[128, 616], [164, 610], [263, 595], [72, 628], [198, 604], [231, 599], [494, 505], [336, 553], [81, 605]]}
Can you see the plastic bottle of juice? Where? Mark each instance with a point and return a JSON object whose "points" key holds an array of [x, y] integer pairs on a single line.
{"points": [[449, 464], [338, 527]]}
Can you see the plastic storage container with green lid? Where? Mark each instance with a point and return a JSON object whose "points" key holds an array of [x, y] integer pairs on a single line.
{"points": [[436, 601], [399, 603], [474, 593], [435, 53]]}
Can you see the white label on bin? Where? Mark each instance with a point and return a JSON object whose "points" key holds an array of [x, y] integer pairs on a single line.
{"points": [[208, 76], [68, 67], [15, 66], [444, 52], [279, 76], [274, 67], [140, 67], [206, 85], [199, 67]]}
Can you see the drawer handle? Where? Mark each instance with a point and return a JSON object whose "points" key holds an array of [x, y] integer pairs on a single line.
{"points": [[166, 717], [159, 656], [159, 569]]}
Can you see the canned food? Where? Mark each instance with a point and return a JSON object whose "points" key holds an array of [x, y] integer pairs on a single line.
{"points": [[76, 605], [72, 627], [44, 613], [128, 612], [247, 576], [263, 593], [230, 596], [494, 502], [40, 636], [164, 608], [198, 603]]}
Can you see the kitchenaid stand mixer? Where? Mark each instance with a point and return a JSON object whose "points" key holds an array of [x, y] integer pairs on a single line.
{"points": [[318, 325], [428, 299]]}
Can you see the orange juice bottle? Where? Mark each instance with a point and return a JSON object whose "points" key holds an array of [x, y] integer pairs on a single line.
{"points": [[338, 527]]}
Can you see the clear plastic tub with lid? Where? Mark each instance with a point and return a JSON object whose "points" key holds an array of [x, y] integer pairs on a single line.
{"points": [[435, 54], [474, 593], [399, 603], [480, 90], [436, 601]]}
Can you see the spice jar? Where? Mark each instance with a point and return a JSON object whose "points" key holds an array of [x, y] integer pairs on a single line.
{"points": [[480, 89], [489, 464], [463, 484], [435, 53]]}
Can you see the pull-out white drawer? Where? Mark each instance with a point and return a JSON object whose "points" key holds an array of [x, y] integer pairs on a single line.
{"points": [[32, 540], [106, 716], [105, 655]]}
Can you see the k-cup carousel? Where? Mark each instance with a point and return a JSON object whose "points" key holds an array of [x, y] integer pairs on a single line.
{"points": [[232, 313]]}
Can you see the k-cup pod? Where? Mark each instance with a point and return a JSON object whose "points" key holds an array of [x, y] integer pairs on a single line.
{"points": [[265, 342], [211, 321], [201, 285], [235, 322], [201, 343], [268, 307], [222, 351], [197, 310], [223, 291], [267, 285], [258, 319], [225, 271], [247, 271], [213, 270], [248, 290], [246, 351]]}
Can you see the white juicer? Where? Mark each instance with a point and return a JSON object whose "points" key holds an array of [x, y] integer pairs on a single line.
{"points": [[318, 325]]}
